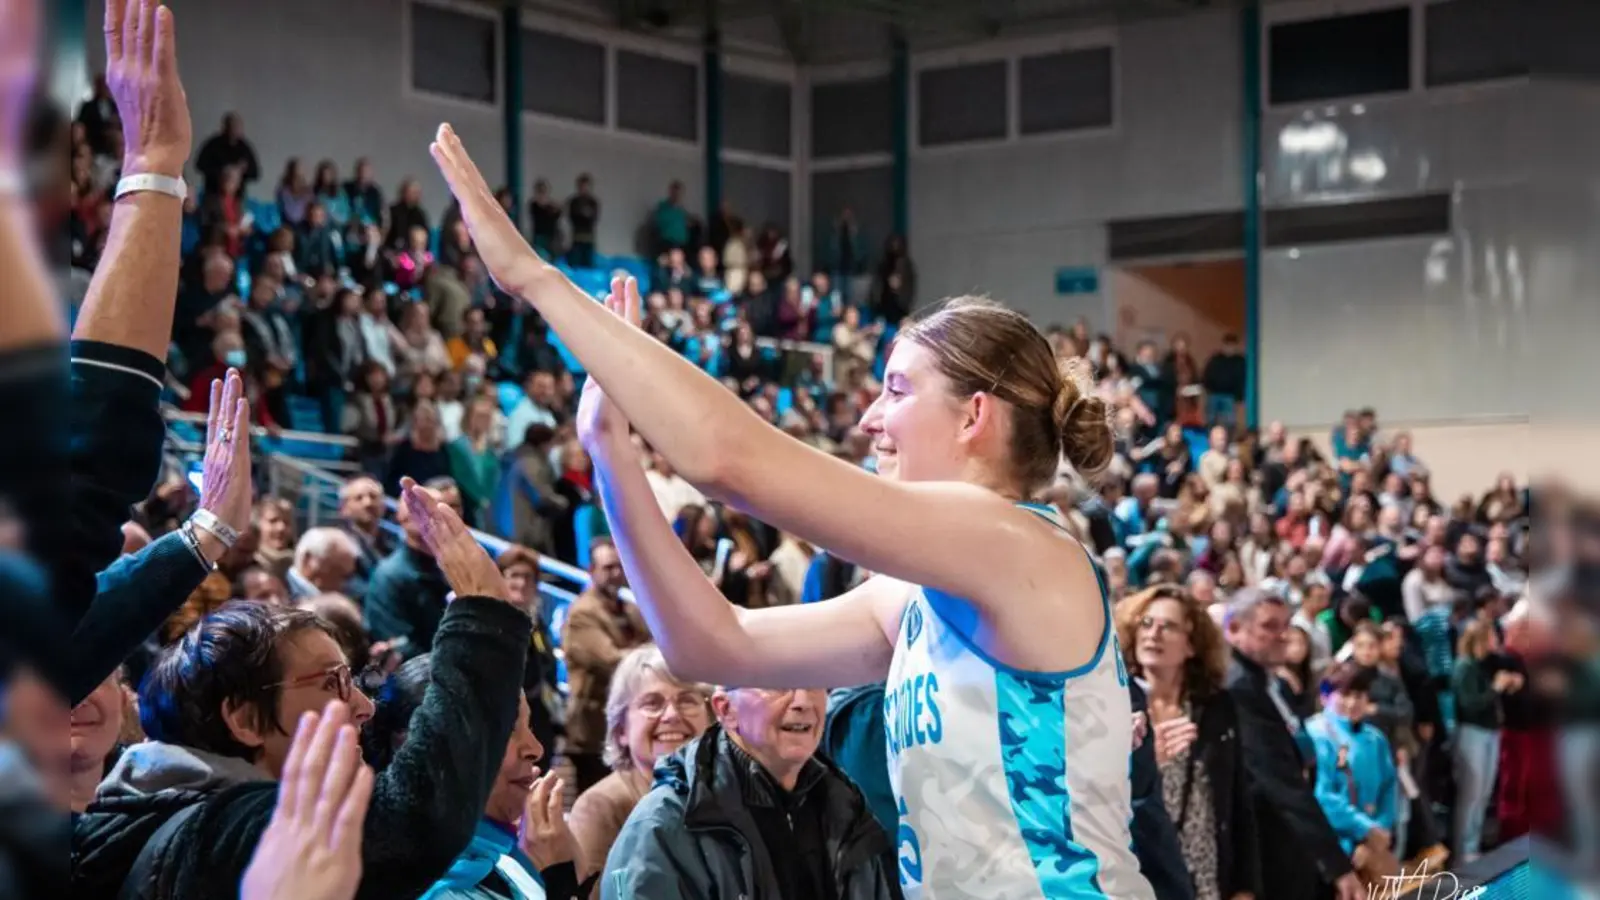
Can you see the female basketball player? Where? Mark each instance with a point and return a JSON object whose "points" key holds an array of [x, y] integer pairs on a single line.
{"points": [[1007, 710]]}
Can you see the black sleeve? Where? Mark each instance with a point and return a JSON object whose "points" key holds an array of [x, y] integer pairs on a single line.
{"points": [[136, 594], [427, 803], [206, 162], [113, 456], [1246, 831], [1155, 838], [1276, 780], [561, 882], [33, 484], [252, 166]]}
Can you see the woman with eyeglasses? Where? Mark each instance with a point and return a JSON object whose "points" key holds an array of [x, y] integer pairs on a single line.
{"points": [[1176, 652], [649, 714]]}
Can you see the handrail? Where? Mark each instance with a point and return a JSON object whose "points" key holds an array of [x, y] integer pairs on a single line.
{"points": [[787, 344], [495, 545], [173, 414]]}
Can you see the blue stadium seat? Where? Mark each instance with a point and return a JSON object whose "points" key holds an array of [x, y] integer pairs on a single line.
{"points": [[1198, 442], [588, 523], [266, 214], [305, 413], [510, 395], [639, 268], [594, 282]]}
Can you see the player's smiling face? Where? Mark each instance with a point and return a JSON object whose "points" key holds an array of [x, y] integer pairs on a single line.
{"points": [[915, 422]]}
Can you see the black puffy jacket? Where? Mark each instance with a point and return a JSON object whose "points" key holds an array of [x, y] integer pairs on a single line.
{"points": [[693, 838]]}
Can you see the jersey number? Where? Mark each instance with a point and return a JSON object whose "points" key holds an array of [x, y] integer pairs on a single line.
{"points": [[910, 850]]}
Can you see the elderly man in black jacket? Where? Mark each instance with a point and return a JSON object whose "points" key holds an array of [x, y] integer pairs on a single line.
{"points": [[749, 810], [1300, 854], [180, 815]]}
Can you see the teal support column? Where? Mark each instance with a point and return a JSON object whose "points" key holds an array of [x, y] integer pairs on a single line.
{"points": [[67, 34], [711, 73], [900, 94], [512, 57], [1250, 24]]}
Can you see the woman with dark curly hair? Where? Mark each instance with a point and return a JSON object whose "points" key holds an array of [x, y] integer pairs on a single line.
{"points": [[1177, 653], [522, 847]]}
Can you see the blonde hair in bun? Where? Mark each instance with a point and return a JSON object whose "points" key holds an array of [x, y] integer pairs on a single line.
{"points": [[981, 346]]}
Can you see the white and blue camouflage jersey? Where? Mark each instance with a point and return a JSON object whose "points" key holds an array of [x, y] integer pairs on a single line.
{"points": [[1010, 784]]}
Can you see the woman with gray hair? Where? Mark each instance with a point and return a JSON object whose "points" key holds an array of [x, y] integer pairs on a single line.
{"points": [[649, 714]]}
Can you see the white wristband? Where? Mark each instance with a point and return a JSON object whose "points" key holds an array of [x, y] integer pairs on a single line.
{"points": [[13, 183], [159, 184], [205, 520]]}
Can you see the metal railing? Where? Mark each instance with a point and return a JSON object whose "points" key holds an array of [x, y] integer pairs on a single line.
{"points": [[313, 493], [274, 442], [802, 347]]}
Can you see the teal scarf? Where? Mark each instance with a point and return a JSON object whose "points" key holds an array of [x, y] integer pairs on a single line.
{"points": [[492, 849]]}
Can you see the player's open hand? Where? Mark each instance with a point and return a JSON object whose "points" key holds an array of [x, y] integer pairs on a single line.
{"points": [[142, 72], [598, 418], [506, 256]]}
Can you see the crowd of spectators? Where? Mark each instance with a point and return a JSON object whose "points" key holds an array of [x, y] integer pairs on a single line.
{"points": [[1338, 671]]}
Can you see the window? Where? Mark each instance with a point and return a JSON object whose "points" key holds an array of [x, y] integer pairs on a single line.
{"points": [[1466, 42], [453, 53], [962, 103], [852, 118], [1183, 235], [760, 195], [564, 77], [1068, 91], [1370, 220], [756, 115], [1346, 56], [658, 96]]}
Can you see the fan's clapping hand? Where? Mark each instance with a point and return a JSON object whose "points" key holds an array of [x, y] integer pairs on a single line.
{"points": [[468, 567], [311, 849], [543, 834], [225, 473]]}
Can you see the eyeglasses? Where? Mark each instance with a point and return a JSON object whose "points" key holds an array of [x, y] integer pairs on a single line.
{"points": [[337, 680], [1159, 626], [654, 706]]}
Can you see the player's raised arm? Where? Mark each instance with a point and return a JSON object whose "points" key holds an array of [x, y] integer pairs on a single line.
{"points": [[927, 533], [703, 636]]}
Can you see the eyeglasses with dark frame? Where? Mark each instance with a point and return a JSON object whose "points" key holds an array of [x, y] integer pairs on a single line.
{"points": [[338, 679]]}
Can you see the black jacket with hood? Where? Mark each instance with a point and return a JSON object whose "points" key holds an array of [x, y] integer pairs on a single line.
{"points": [[425, 806], [693, 838]]}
